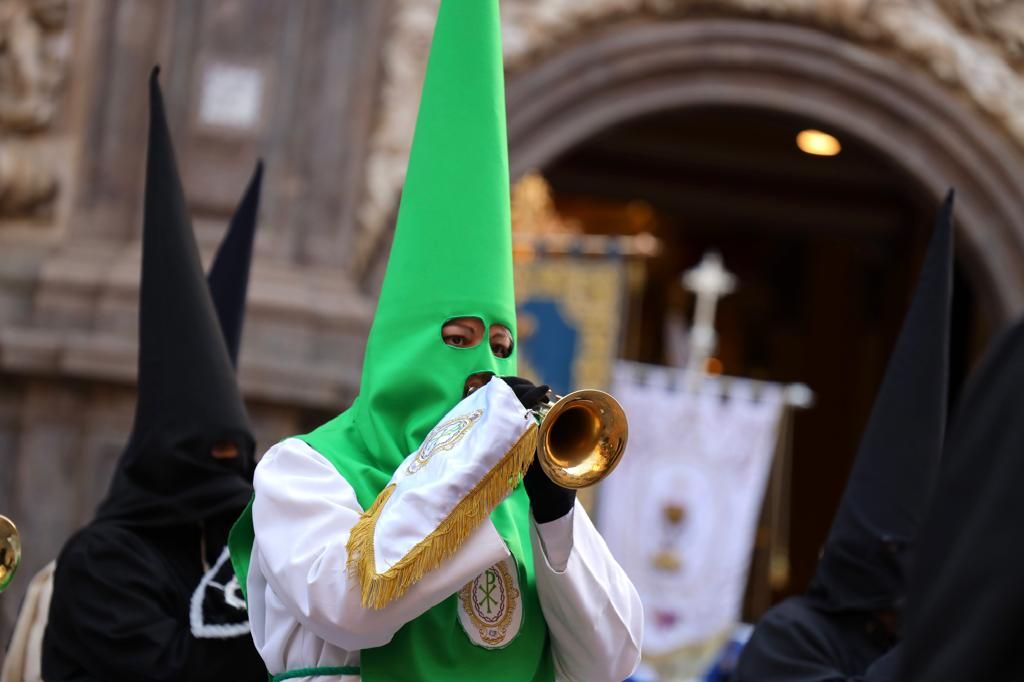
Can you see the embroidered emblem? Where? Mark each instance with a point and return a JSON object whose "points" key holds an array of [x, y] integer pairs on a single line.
{"points": [[218, 608], [490, 608], [444, 436]]}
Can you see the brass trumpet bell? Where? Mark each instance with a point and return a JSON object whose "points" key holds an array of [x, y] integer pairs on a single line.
{"points": [[10, 551], [582, 437]]}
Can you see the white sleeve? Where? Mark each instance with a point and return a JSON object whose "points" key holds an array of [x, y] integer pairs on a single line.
{"points": [[302, 514], [592, 610]]}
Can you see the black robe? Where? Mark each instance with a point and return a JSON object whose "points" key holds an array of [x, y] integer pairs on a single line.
{"points": [[835, 631], [965, 611], [125, 599], [798, 640], [146, 590]]}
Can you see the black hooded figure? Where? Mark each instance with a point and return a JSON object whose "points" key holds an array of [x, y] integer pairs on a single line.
{"points": [[145, 591], [228, 278], [965, 610], [847, 623]]}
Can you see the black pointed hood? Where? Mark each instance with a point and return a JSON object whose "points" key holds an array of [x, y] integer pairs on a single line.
{"points": [[229, 275], [188, 398], [863, 563], [965, 610]]}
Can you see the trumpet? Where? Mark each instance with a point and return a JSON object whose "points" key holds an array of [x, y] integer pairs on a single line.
{"points": [[10, 551], [582, 437]]}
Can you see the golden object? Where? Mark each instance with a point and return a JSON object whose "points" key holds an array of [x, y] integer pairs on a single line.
{"points": [[582, 437], [667, 561], [10, 551], [674, 513], [538, 224], [534, 211]]}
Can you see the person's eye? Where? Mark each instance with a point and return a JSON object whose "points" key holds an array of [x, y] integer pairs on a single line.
{"points": [[456, 340], [501, 350]]}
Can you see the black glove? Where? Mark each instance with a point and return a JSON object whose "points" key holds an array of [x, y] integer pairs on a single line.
{"points": [[529, 394], [547, 500]]}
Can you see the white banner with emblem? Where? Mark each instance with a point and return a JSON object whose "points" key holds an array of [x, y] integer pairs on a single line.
{"points": [[681, 511]]}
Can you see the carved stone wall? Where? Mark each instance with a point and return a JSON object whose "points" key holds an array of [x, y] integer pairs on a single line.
{"points": [[34, 40], [242, 79], [292, 82], [972, 48]]}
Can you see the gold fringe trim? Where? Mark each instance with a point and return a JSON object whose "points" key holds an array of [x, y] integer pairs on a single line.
{"points": [[380, 589]]}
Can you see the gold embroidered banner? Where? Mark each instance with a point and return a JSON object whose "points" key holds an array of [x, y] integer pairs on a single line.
{"points": [[570, 312]]}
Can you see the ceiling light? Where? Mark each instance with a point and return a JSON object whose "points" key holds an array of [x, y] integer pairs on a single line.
{"points": [[817, 143]]}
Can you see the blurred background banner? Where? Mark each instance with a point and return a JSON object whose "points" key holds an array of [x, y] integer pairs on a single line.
{"points": [[570, 317], [574, 291], [681, 511]]}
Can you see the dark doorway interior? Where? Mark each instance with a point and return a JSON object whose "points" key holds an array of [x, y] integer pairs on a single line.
{"points": [[826, 250]]}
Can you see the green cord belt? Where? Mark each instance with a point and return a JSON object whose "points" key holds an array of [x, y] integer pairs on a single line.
{"points": [[316, 672]]}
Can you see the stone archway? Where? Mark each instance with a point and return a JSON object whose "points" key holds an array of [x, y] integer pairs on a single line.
{"points": [[932, 136], [935, 84]]}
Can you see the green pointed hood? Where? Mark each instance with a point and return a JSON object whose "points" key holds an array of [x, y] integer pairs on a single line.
{"points": [[452, 253], [451, 257]]}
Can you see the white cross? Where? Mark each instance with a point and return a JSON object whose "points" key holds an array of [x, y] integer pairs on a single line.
{"points": [[710, 281]]}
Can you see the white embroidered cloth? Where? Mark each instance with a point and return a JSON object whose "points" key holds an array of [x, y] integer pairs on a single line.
{"points": [[456, 456]]}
